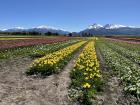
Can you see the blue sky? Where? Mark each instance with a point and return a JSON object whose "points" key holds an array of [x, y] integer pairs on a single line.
{"points": [[71, 15]]}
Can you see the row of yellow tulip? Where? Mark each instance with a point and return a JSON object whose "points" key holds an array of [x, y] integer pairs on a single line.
{"points": [[53, 62], [86, 75]]}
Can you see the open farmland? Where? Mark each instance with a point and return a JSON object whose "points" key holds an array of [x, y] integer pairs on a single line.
{"points": [[69, 71], [125, 39], [5, 44]]}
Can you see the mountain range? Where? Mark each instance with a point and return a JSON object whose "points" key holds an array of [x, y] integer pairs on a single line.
{"points": [[94, 29], [111, 29], [40, 29]]}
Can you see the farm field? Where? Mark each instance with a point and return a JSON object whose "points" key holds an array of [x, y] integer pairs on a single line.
{"points": [[69, 71], [6, 44], [125, 39]]}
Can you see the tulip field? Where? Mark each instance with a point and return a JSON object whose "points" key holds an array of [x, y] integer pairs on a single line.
{"points": [[70, 71], [52, 63], [14, 43]]}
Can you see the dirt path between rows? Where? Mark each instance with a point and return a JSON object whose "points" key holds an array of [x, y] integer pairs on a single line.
{"points": [[18, 89], [113, 93]]}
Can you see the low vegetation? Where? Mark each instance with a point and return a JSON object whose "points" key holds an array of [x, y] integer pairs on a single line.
{"points": [[35, 51], [125, 68], [53, 62], [86, 76]]}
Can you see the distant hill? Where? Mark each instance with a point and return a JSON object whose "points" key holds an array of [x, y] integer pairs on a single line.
{"points": [[40, 29]]}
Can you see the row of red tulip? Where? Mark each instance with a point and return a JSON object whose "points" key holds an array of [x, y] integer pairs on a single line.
{"points": [[6, 44]]}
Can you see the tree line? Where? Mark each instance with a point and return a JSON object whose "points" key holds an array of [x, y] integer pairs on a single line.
{"points": [[30, 33], [47, 34]]}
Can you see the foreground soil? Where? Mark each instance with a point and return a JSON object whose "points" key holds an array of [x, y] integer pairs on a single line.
{"points": [[18, 89]]}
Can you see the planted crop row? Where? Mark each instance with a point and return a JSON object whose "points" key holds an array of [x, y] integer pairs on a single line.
{"points": [[7, 44], [131, 47], [44, 49], [35, 51], [134, 56], [128, 71], [86, 76], [136, 42], [53, 62]]}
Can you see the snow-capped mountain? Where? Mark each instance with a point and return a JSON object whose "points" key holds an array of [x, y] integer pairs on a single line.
{"points": [[41, 29], [43, 26], [107, 26], [113, 26], [16, 29], [95, 26], [3, 29], [96, 29], [111, 29], [44, 29]]}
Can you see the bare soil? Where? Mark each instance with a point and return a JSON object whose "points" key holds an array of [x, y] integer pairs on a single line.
{"points": [[113, 93], [18, 89]]}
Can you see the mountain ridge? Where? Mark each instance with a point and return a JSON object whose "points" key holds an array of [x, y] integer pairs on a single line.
{"points": [[40, 29], [111, 29], [94, 29]]}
